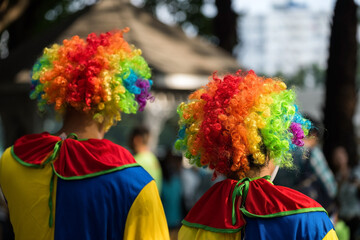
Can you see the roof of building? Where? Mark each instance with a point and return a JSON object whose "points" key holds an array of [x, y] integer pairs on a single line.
{"points": [[167, 49]]}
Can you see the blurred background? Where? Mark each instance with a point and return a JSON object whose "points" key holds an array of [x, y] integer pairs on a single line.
{"points": [[312, 45]]}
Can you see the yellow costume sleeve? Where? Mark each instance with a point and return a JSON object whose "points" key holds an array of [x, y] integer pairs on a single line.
{"points": [[27, 192], [190, 233], [146, 218], [331, 235]]}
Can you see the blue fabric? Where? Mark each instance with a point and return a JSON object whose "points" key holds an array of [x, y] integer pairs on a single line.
{"points": [[96, 208], [305, 226]]}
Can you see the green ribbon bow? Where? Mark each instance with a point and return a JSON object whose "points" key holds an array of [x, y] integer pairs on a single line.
{"points": [[50, 160], [241, 190]]}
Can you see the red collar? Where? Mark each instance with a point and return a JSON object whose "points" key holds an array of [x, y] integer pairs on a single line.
{"points": [[214, 211], [72, 158]]}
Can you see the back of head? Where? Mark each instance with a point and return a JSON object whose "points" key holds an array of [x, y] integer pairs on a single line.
{"points": [[139, 136], [101, 75], [239, 122]]}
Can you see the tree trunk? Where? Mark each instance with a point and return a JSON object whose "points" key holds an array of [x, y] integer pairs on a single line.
{"points": [[11, 14], [225, 25], [341, 96]]}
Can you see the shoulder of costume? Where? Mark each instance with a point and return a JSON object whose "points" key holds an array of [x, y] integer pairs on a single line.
{"points": [[94, 157], [218, 210], [266, 200], [213, 211]]}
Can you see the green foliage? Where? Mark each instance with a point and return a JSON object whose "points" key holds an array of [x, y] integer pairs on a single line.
{"points": [[298, 79], [40, 16], [49, 12], [185, 12], [319, 74]]}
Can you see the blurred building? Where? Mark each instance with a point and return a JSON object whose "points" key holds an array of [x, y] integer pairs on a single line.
{"points": [[284, 39], [179, 64]]}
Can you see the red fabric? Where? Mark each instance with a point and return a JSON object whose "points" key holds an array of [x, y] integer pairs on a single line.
{"points": [[91, 156], [214, 209], [35, 148], [265, 198], [76, 158]]}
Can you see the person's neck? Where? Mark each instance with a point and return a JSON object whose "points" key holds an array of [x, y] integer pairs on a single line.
{"points": [[259, 173], [82, 124], [266, 170], [141, 149]]}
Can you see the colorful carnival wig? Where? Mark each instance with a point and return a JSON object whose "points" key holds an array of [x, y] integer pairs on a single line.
{"points": [[102, 75], [240, 121]]}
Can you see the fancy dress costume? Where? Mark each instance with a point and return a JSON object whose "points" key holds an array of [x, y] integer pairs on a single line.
{"points": [[256, 209], [79, 189]]}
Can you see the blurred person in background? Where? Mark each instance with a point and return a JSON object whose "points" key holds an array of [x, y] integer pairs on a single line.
{"points": [[316, 178], [172, 195], [243, 126], [196, 182], [74, 184], [311, 174], [348, 197], [139, 143]]}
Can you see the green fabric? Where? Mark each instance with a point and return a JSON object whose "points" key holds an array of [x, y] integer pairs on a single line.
{"points": [[211, 229], [96, 173], [241, 190], [72, 135], [282, 214], [54, 154], [342, 230], [241, 187], [51, 221], [151, 164], [22, 162]]}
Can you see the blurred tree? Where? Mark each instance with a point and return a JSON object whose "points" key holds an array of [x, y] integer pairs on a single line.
{"points": [[26, 26], [10, 12], [225, 25], [341, 93], [319, 74], [218, 25], [23, 19], [298, 79], [186, 13], [29, 22]]}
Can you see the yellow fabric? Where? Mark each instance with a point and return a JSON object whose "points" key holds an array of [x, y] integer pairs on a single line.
{"points": [[146, 218], [331, 235], [27, 192], [189, 233]]}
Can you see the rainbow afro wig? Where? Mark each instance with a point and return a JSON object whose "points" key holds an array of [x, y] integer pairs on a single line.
{"points": [[102, 75], [240, 121]]}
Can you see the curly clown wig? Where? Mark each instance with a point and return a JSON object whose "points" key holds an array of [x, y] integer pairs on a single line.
{"points": [[240, 121], [102, 75]]}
